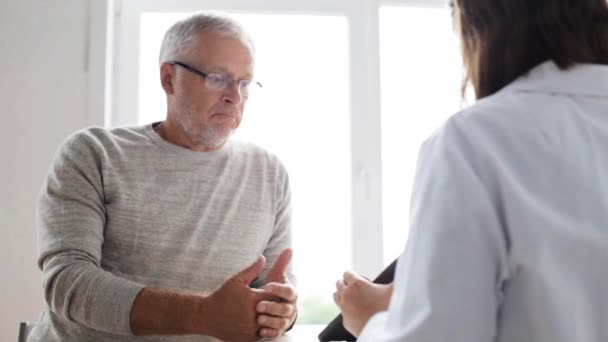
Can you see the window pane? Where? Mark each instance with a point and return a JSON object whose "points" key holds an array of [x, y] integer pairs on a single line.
{"points": [[421, 72], [301, 114]]}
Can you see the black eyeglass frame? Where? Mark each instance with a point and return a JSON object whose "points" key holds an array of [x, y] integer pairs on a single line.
{"points": [[204, 75]]}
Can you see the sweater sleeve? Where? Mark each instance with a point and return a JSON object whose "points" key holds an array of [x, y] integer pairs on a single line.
{"points": [[281, 236], [70, 229]]}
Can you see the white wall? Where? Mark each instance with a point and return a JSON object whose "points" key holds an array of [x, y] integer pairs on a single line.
{"points": [[45, 94]]}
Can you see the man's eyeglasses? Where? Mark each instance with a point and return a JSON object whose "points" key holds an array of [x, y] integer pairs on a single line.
{"points": [[217, 81]]}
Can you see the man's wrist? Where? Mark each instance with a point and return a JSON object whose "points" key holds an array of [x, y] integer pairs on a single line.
{"points": [[166, 312], [199, 322]]}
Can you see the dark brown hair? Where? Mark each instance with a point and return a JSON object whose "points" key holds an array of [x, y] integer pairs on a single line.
{"points": [[504, 39]]}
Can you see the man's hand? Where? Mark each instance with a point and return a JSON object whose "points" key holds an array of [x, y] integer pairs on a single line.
{"points": [[359, 299], [277, 316], [231, 310], [229, 313]]}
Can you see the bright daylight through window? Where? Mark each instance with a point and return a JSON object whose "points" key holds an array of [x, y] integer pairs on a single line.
{"points": [[421, 73]]}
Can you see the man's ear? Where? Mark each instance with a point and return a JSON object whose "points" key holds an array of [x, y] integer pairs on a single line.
{"points": [[166, 78]]}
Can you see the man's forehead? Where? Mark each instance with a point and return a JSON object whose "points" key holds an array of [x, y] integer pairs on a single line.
{"points": [[225, 54]]}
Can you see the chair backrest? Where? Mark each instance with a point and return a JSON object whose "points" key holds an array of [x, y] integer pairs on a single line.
{"points": [[24, 330]]}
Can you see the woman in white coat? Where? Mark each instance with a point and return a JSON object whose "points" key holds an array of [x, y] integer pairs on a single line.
{"points": [[509, 217]]}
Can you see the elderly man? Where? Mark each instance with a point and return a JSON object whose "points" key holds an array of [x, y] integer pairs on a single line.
{"points": [[171, 229]]}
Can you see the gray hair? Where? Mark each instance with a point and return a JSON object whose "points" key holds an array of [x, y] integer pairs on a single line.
{"points": [[178, 37]]}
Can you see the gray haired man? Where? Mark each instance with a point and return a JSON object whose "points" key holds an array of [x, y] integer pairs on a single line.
{"points": [[171, 231]]}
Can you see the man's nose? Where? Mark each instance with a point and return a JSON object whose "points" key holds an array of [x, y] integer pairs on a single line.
{"points": [[232, 94]]}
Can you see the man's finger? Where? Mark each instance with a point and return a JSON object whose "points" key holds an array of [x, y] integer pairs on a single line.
{"points": [[279, 269], [269, 333], [284, 291], [247, 275], [276, 309], [278, 323]]}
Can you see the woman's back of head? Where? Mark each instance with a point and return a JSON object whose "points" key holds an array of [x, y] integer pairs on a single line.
{"points": [[503, 39]]}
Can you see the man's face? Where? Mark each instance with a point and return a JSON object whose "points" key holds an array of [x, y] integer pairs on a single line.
{"points": [[206, 117]]}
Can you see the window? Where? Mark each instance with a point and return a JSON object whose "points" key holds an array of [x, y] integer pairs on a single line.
{"points": [[351, 88], [302, 115], [421, 73]]}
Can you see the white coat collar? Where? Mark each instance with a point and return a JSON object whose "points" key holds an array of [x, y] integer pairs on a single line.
{"points": [[580, 79]]}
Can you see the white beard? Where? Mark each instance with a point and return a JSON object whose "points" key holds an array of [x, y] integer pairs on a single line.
{"points": [[203, 135]]}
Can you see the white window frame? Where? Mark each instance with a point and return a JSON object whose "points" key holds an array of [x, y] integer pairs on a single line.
{"points": [[362, 16]]}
